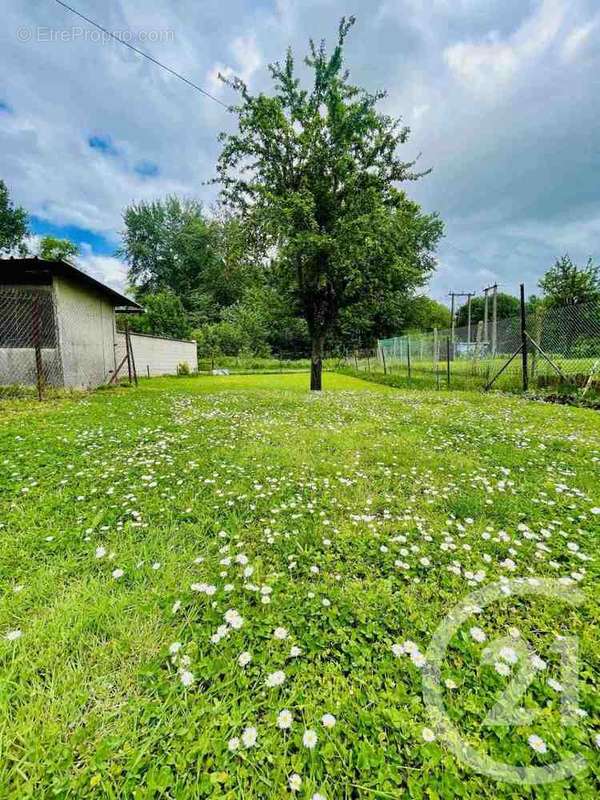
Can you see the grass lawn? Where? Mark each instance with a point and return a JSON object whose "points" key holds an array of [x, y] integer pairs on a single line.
{"points": [[183, 563]]}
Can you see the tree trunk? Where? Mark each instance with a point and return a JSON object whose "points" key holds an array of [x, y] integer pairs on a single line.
{"points": [[316, 364]]}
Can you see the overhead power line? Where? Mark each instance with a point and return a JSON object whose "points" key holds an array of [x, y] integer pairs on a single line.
{"points": [[142, 53]]}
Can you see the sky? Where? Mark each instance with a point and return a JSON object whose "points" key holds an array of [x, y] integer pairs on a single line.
{"points": [[502, 98]]}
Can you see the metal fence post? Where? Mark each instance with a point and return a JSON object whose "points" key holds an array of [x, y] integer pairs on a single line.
{"points": [[448, 360], [36, 325], [408, 364], [524, 340]]}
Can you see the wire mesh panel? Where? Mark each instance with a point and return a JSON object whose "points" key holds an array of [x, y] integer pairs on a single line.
{"points": [[29, 344], [563, 346]]}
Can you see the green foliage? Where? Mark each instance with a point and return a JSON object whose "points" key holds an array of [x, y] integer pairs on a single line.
{"points": [[316, 172], [566, 284], [54, 249], [507, 304], [164, 315], [13, 224], [170, 245], [424, 314]]}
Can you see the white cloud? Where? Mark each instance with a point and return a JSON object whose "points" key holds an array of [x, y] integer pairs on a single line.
{"points": [[494, 61], [578, 40]]}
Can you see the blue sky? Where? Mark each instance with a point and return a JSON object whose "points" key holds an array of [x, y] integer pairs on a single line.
{"points": [[502, 98]]}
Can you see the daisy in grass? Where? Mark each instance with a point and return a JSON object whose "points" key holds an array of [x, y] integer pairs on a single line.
{"points": [[309, 739], [284, 719], [295, 782], [478, 634], [244, 658], [233, 744], [186, 677], [328, 720], [537, 743], [280, 633], [12, 636], [275, 678], [117, 573], [428, 735], [233, 618], [249, 737]]}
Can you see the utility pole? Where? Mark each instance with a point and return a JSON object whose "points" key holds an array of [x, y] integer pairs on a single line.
{"points": [[494, 289], [468, 295]]}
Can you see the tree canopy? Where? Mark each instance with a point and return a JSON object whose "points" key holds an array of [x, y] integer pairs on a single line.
{"points": [[566, 284], [507, 306], [13, 223], [316, 170], [55, 249]]}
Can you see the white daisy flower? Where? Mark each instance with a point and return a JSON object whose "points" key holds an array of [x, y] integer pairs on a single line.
{"points": [[428, 735], [244, 658], [537, 743], [186, 677], [100, 552], [295, 782], [280, 633], [275, 678], [309, 739], [249, 737], [12, 636], [478, 634], [117, 573], [174, 648], [295, 651], [284, 719], [508, 654], [502, 668], [328, 720], [233, 744]]}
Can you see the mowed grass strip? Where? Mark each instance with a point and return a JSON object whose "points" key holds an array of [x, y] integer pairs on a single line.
{"points": [[212, 584]]}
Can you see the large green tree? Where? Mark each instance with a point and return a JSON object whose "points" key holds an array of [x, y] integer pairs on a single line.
{"points": [[13, 224], [317, 170], [170, 245], [566, 284]]}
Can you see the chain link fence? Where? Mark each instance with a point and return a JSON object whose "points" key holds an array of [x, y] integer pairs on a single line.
{"points": [[30, 360], [555, 346]]}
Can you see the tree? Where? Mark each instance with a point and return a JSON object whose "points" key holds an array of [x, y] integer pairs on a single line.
{"points": [[54, 249], [316, 172], [566, 284], [507, 306], [164, 315], [424, 314], [13, 224], [169, 245]]}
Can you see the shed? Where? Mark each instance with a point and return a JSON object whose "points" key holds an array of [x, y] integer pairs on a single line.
{"points": [[59, 322]]}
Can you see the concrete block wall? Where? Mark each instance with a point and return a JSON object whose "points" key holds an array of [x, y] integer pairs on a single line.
{"points": [[156, 355]]}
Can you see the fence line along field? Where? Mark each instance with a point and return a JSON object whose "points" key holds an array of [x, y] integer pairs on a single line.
{"points": [[225, 587]]}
